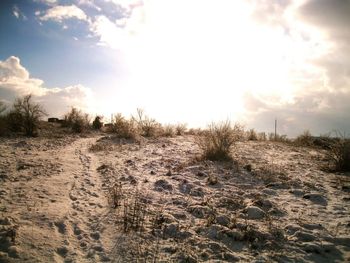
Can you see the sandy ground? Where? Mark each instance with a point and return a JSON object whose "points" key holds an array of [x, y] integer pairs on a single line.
{"points": [[154, 201]]}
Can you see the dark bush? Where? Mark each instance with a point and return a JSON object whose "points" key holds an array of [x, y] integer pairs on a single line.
{"points": [[76, 120], [97, 123], [25, 116]]}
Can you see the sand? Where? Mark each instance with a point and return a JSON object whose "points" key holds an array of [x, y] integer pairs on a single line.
{"points": [[155, 201]]}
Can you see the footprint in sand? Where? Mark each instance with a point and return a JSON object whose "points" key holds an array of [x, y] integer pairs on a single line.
{"points": [[61, 226]]}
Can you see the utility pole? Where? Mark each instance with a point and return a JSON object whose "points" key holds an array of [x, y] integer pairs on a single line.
{"points": [[275, 129]]}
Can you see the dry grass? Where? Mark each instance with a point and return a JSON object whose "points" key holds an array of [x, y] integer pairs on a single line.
{"points": [[181, 128], [339, 154], [124, 128], [76, 120], [252, 135], [218, 140], [304, 139], [148, 127], [168, 130]]}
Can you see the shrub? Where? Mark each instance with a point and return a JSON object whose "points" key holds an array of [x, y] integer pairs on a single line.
{"points": [[124, 128], [217, 141], [25, 115], [304, 139], [262, 136], [76, 120], [181, 128], [339, 154], [168, 130], [97, 123], [252, 136], [148, 127]]}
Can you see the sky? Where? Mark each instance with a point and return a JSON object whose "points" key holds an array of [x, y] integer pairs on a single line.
{"points": [[192, 61]]}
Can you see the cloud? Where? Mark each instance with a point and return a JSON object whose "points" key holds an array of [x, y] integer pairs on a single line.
{"points": [[15, 81], [318, 111], [18, 13], [60, 13], [332, 16], [47, 2], [275, 10], [89, 3]]}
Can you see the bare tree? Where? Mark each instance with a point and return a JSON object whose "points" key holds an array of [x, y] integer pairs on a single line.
{"points": [[30, 112]]}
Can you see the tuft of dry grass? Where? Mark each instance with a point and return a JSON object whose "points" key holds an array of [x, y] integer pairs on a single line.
{"points": [[218, 140], [339, 154], [124, 128], [252, 135], [148, 127], [181, 128], [76, 120], [304, 139], [168, 130]]}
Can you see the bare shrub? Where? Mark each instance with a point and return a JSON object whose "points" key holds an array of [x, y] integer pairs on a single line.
{"points": [[252, 135], [262, 136], [304, 139], [339, 154], [97, 123], [168, 130], [148, 127], [218, 140], [124, 128], [134, 212], [116, 195], [76, 120], [181, 128], [25, 115]]}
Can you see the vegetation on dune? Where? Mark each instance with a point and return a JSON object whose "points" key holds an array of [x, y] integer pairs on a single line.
{"points": [[97, 124], [124, 128], [218, 140], [23, 116], [148, 127], [339, 154], [76, 120]]}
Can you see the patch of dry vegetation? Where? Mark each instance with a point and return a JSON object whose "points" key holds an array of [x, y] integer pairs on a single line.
{"points": [[124, 128], [339, 154], [147, 126], [76, 120], [218, 140]]}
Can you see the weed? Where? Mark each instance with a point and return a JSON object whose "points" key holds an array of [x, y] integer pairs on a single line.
{"points": [[252, 135], [76, 120], [181, 128], [168, 130], [339, 154], [218, 140]]}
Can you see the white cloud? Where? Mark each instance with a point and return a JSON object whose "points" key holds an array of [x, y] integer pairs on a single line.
{"points": [[15, 81], [108, 32], [89, 3], [60, 13], [47, 2], [18, 13]]}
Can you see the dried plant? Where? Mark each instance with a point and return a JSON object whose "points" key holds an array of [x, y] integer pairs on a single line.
{"points": [[339, 154], [218, 140]]}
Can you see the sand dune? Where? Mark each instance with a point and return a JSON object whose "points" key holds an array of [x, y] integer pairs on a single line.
{"points": [[153, 201]]}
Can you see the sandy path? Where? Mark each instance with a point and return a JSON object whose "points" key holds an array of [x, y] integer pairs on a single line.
{"points": [[60, 215]]}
